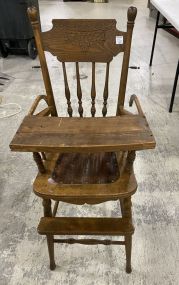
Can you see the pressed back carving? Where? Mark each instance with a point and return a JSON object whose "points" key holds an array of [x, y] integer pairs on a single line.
{"points": [[83, 40], [73, 40]]}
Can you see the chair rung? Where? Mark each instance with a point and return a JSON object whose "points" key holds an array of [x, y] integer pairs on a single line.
{"points": [[85, 226], [90, 241]]}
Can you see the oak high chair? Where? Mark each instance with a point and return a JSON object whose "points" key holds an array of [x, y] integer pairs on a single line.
{"points": [[90, 160]]}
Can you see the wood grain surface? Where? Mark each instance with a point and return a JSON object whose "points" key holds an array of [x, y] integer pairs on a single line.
{"points": [[53, 134], [85, 226]]}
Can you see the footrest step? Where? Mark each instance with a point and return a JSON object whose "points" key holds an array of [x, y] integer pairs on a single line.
{"points": [[85, 226]]}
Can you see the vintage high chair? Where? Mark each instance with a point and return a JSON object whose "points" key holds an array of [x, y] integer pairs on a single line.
{"points": [[90, 159]]}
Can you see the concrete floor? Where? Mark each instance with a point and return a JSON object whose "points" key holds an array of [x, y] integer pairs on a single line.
{"points": [[23, 254]]}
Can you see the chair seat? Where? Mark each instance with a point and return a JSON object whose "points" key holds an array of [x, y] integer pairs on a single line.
{"points": [[82, 168], [99, 174]]}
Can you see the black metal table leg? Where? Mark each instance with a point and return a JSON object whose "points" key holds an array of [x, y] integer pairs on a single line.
{"points": [[174, 88], [154, 39]]}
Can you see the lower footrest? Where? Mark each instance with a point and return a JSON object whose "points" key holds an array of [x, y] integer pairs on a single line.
{"points": [[85, 226]]}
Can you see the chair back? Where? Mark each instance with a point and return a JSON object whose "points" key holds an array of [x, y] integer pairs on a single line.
{"points": [[95, 41]]}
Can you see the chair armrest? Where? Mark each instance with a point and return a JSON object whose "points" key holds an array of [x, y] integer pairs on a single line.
{"points": [[137, 103], [123, 112], [44, 112]]}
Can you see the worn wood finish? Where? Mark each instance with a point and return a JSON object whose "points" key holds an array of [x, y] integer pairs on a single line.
{"points": [[87, 134], [90, 159], [84, 40], [94, 168], [36, 103], [55, 208], [50, 240], [85, 226], [131, 15], [128, 249], [81, 40], [93, 91], [33, 16], [106, 91], [124, 186], [76, 40], [90, 241], [67, 90], [45, 112], [79, 92], [134, 98], [130, 160], [39, 162], [127, 214], [43, 156], [46, 203], [50, 244]]}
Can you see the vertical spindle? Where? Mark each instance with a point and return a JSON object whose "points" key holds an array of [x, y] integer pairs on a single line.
{"points": [[93, 91], [67, 91], [105, 93], [79, 92]]}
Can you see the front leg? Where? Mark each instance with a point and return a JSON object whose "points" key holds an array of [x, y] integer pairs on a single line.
{"points": [[39, 162], [50, 240]]}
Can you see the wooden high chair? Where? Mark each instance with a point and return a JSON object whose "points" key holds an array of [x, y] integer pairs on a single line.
{"points": [[89, 159]]}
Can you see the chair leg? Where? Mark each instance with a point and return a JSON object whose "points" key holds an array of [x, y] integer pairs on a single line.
{"points": [[122, 207], [55, 209], [128, 248], [50, 244], [50, 239], [127, 213]]}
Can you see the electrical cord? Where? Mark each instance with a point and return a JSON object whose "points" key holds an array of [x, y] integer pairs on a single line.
{"points": [[3, 115]]}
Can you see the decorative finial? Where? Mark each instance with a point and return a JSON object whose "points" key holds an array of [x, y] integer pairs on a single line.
{"points": [[131, 14], [33, 14]]}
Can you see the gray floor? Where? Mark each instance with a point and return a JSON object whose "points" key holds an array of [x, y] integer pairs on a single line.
{"points": [[24, 258]]}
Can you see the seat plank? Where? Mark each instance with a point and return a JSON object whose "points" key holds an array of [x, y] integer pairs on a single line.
{"points": [[52, 134], [86, 168], [85, 226]]}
